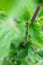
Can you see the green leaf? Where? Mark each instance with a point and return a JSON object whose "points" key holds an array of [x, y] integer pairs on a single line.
{"points": [[41, 53], [34, 31], [40, 63], [8, 32], [2, 16], [25, 14], [40, 20]]}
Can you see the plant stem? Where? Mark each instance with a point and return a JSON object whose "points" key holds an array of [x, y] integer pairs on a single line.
{"points": [[35, 13], [26, 36], [32, 20]]}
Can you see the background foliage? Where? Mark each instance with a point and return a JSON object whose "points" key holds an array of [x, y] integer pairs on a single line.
{"points": [[15, 49]]}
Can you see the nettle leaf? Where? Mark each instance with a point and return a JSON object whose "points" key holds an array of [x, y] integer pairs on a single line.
{"points": [[33, 56], [41, 13], [2, 16], [8, 32], [6, 62], [34, 31], [25, 14], [40, 20], [40, 52], [21, 9], [40, 63], [40, 17], [21, 52], [24, 62]]}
